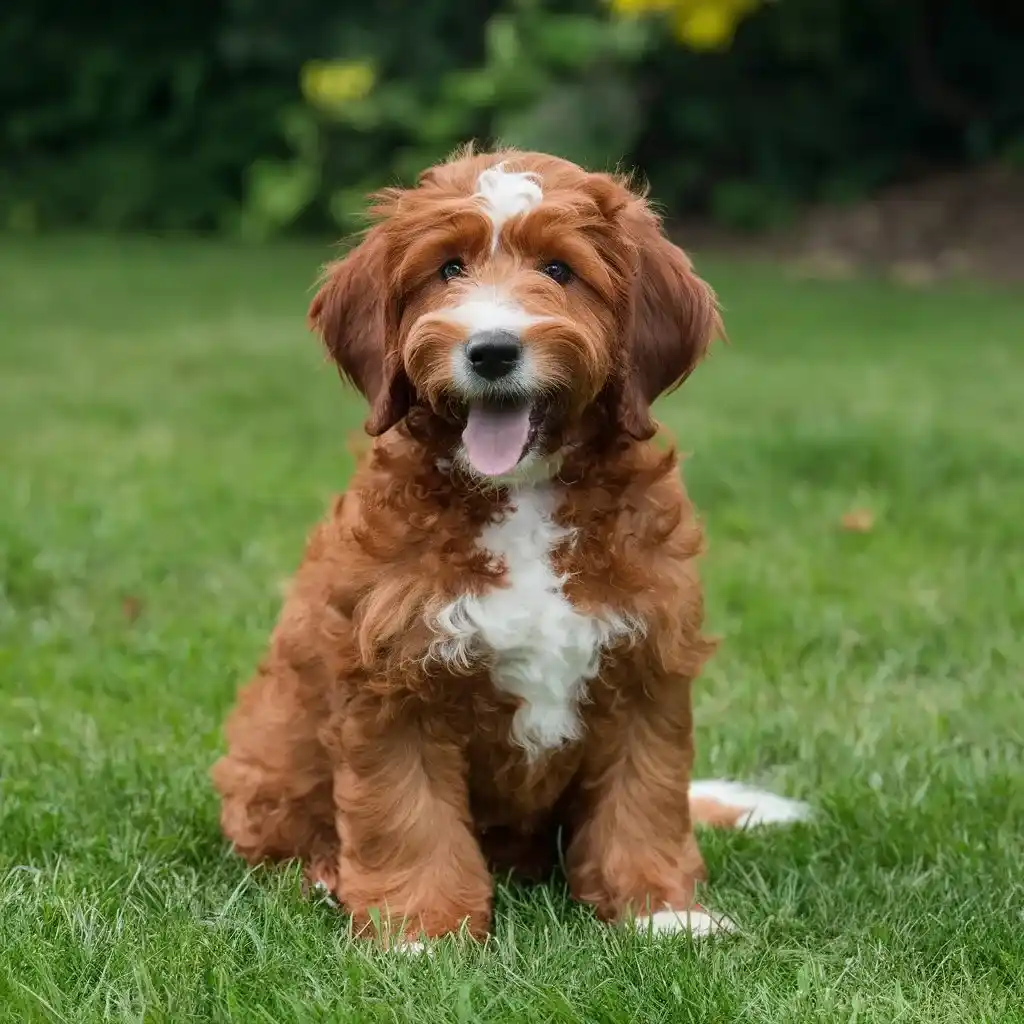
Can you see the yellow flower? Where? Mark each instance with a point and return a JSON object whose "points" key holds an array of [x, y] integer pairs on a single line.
{"points": [[334, 83], [636, 7], [707, 26], [699, 24]]}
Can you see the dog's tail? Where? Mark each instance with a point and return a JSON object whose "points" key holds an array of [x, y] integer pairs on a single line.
{"points": [[724, 804]]}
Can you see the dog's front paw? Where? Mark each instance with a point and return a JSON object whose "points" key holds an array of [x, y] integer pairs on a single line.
{"points": [[697, 921], [413, 947]]}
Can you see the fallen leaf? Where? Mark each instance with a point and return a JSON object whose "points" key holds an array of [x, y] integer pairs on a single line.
{"points": [[860, 520]]}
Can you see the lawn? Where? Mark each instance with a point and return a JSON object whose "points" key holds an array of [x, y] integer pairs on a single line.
{"points": [[168, 433]]}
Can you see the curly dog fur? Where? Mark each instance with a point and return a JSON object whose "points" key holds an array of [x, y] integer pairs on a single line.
{"points": [[492, 637]]}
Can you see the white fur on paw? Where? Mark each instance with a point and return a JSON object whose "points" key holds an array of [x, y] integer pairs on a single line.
{"points": [[762, 808], [412, 947], [697, 921]]}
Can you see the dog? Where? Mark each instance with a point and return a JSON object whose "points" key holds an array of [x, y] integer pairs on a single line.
{"points": [[489, 646]]}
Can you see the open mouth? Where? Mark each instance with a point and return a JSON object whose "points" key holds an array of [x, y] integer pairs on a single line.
{"points": [[499, 434]]}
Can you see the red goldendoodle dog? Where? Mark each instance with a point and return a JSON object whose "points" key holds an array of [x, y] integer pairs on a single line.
{"points": [[493, 635]]}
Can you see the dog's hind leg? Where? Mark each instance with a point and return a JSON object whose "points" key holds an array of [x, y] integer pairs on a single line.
{"points": [[275, 781]]}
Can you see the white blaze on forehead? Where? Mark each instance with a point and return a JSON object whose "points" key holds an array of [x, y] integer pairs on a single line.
{"points": [[507, 194]]}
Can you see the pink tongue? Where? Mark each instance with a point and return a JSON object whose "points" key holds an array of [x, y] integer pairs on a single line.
{"points": [[495, 438]]}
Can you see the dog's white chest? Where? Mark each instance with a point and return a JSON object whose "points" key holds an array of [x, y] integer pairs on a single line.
{"points": [[539, 646]]}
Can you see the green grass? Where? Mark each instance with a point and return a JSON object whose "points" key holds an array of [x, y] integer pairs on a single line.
{"points": [[169, 433]]}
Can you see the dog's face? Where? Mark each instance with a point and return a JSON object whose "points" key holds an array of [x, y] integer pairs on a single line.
{"points": [[522, 298]]}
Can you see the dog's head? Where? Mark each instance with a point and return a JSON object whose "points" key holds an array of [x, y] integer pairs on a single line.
{"points": [[521, 297]]}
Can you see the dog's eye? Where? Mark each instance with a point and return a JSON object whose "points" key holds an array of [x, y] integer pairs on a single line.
{"points": [[559, 272], [452, 269]]}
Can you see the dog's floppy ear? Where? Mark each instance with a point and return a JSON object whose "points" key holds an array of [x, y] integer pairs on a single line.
{"points": [[672, 320], [351, 314]]}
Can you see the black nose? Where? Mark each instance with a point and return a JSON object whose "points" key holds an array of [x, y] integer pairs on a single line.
{"points": [[494, 354]]}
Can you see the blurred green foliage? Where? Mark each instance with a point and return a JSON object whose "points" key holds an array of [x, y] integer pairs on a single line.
{"points": [[256, 117]]}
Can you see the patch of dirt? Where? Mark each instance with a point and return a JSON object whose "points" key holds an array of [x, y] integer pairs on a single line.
{"points": [[963, 225]]}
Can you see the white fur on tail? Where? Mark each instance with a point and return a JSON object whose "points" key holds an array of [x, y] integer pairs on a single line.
{"points": [[758, 806]]}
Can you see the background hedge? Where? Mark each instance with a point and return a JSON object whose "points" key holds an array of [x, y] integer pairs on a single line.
{"points": [[192, 115]]}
